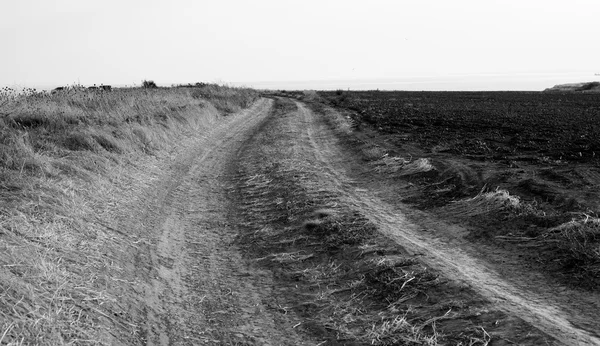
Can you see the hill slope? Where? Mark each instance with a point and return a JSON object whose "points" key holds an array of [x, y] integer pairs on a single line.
{"points": [[576, 87]]}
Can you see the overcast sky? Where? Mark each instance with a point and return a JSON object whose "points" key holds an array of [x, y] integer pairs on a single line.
{"points": [[55, 42]]}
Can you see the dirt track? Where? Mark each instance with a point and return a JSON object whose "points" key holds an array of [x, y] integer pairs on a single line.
{"points": [[198, 289], [441, 246]]}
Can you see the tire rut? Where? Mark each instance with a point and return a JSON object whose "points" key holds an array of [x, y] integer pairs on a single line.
{"points": [[197, 288]]}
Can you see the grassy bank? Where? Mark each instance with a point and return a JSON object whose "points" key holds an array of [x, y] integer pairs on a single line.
{"points": [[66, 159]]}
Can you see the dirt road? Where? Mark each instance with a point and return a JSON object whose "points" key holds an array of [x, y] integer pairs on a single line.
{"points": [[197, 288]]}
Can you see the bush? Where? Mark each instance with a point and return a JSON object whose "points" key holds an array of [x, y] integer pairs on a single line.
{"points": [[149, 84]]}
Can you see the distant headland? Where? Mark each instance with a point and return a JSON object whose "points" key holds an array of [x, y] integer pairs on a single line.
{"points": [[576, 87]]}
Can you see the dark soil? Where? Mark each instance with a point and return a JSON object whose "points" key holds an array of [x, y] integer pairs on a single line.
{"points": [[529, 126], [540, 147]]}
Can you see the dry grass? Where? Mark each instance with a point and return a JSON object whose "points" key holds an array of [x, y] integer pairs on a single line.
{"points": [[573, 247], [63, 159], [484, 203], [421, 165], [390, 164], [579, 241], [374, 152], [225, 99]]}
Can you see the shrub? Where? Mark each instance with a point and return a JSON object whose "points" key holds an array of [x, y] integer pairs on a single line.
{"points": [[149, 84]]}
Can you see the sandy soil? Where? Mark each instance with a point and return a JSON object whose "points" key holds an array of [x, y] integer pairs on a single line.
{"points": [[198, 289]]}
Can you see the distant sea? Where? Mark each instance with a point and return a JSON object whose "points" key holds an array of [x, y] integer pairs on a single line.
{"points": [[488, 82]]}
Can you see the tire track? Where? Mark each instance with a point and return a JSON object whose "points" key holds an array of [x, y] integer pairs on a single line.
{"points": [[197, 288], [446, 256]]}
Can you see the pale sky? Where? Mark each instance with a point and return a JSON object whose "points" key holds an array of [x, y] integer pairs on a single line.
{"points": [[57, 42]]}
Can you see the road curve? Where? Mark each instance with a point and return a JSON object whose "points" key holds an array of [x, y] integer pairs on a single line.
{"points": [[196, 287]]}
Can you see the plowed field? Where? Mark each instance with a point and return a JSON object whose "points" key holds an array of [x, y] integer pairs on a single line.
{"points": [[544, 127]]}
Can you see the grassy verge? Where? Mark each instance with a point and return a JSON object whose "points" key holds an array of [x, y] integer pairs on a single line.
{"points": [[64, 159], [348, 284]]}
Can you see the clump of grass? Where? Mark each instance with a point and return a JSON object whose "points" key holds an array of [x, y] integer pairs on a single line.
{"points": [[374, 152], [337, 234], [78, 141], [421, 165], [225, 99], [402, 166], [108, 142], [342, 122], [390, 164], [485, 203], [579, 240], [398, 330]]}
